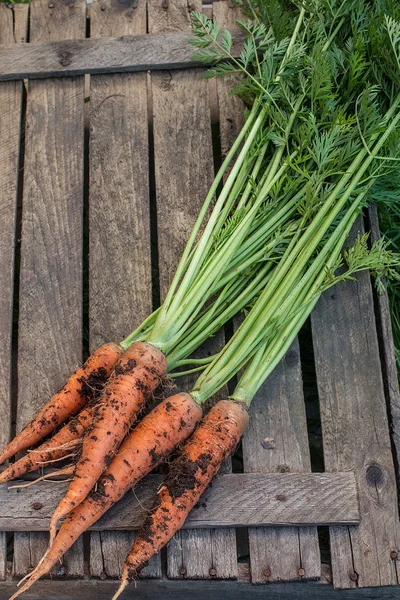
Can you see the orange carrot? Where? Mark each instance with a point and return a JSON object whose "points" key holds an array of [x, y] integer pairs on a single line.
{"points": [[165, 427], [78, 390], [57, 447], [200, 459], [135, 377]]}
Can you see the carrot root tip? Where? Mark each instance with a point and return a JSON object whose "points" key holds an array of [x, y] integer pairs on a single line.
{"points": [[124, 584]]}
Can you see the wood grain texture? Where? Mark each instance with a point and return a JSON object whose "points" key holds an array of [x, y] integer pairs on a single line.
{"points": [[184, 171], [277, 413], [104, 55], [387, 350], [119, 220], [355, 431], [195, 590], [13, 23], [13, 29], [33, 546], [57, 20], [50, 317], [119, 223], [108, 550], [264, 499], [109, 18]]}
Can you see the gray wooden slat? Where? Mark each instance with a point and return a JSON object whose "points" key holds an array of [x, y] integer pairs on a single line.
{"points": [[277, 413], [93, 56], [109, 550], [184, 172], [119, 223], [194, 590], [356, 433], [233, 500], [13, 28], [33, 546], [50, 317], [387, 350]]}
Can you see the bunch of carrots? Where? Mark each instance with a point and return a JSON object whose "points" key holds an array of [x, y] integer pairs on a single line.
{"points": [[322, 86]]}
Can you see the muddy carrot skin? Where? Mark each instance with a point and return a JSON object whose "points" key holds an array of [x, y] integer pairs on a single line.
{"points": [[156, 436], [58, 446], [135, 377], [75, 394], [201, 457]]}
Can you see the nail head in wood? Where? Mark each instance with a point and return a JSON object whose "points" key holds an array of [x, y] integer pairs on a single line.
{"points": [[353, 576], [51, 5], [301, 572], [394, 555], [165, 4], [103, 576], [182, 571], [267, 572], [213, 572], [37, 505]]}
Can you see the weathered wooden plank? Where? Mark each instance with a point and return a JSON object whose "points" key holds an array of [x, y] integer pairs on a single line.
{"points": [[277, 413], [184, 172], [264, 499], [110, 18], [13, 23], [103, 55], [33, 546], [10, 124], [50, 318], [108, 550], [195, 590], [387, 350], [13, 28], [119, 223], [356, 433]]}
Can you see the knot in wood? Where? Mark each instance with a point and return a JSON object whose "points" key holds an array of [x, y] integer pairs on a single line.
{"points": [[281, 497], [375, 475], [165, 4], [37, 505], [213, 572]]}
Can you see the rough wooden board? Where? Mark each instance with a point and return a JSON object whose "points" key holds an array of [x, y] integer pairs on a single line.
{"points": [[119, 223], [104, 55], [13, 23], [13, 27], [184, 172], [33, 546], [195, 590], [277, 414], [108, 550], [119, 220], [356, 433], [56, 20], [170, 16], [50, 318], [110, 18], [264, 499], [387, 350]]}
